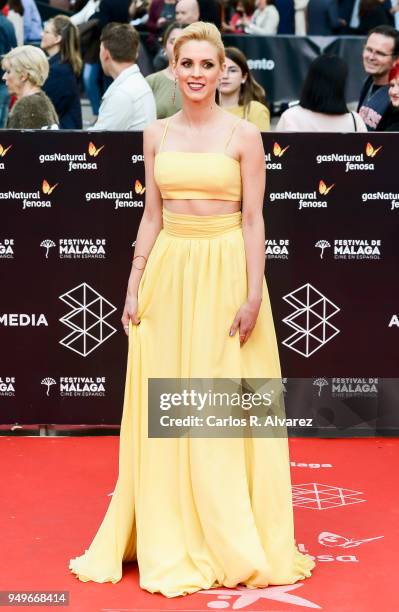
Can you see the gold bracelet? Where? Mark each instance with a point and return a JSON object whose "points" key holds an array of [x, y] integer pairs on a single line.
{"points": [[135, 257]]}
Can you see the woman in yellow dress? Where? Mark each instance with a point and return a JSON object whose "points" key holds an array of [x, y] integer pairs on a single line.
{"points": [[198, 513]]}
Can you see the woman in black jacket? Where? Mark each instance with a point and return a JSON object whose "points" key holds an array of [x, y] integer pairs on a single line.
{"points": [[60, 40]]}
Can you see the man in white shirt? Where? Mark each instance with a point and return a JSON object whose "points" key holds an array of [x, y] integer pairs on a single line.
{"points": [[128, 103]]}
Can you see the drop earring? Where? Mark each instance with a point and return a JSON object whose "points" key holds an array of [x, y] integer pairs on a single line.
{"points": [[174, 93]]}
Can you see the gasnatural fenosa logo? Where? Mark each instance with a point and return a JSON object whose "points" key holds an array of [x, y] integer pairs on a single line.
{"points": [[391, 197], [352, 162], [305, 199], [121, 199], [32, 199], [74, 161]]}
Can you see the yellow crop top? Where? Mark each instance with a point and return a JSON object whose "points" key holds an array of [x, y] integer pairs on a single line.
{"points": [[184, 175]]}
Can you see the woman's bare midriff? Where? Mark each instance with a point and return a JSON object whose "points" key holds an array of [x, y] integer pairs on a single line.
{"points": [[202, 207]]}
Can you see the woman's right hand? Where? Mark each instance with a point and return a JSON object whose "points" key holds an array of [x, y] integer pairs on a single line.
{"points": [[130, 313]]}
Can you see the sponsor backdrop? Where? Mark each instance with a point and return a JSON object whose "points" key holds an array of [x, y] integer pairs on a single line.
{"points": [[72, 203]]}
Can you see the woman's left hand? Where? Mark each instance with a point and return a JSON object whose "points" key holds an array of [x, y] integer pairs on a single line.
{"points": [[245, 320]]}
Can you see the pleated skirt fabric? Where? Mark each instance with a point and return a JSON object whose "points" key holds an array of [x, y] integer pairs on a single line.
{"points": [[197, 513]]}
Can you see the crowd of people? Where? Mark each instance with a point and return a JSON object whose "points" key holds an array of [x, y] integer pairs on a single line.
{"points": [[45, 68]]}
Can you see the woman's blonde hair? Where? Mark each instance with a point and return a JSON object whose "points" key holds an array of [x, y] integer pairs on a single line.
{"points": [[28, 60], [200, 30], [69, 45]]}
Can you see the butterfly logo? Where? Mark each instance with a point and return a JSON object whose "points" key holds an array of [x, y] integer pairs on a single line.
{"points": [[138, 187], [323, 189], [93, 151], [278, 151], [370, 151], [47, 188], [3, 151]]}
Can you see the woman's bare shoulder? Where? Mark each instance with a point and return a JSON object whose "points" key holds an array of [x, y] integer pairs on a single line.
{"points": [[152, 134], [241, 126], [154, 130], [248, 135]]}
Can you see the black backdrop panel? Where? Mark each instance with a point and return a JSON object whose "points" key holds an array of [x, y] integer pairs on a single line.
{"points": [[71, 205]]}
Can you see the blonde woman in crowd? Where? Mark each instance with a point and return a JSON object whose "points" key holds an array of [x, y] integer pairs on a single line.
{"points": [[240, 94], [25, 70]]}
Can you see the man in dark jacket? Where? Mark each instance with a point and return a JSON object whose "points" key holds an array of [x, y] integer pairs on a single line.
{"points": [[7, 42], [379, 54], [323, 18]]}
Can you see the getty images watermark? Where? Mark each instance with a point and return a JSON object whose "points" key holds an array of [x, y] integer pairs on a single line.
{"points": [[219, 408]]}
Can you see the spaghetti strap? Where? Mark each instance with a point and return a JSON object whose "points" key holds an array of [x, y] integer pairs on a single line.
{"points": [[164, 134], [231, 134]]}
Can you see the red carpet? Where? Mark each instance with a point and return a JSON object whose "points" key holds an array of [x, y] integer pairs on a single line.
{"points": [[55, 492]]}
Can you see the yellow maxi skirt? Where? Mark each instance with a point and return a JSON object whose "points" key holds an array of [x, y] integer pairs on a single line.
{"points": [[197, 513]]}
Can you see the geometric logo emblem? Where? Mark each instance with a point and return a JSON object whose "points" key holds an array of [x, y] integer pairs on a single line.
{"points": [[86, 319], [321, 497], [310, 320]]}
